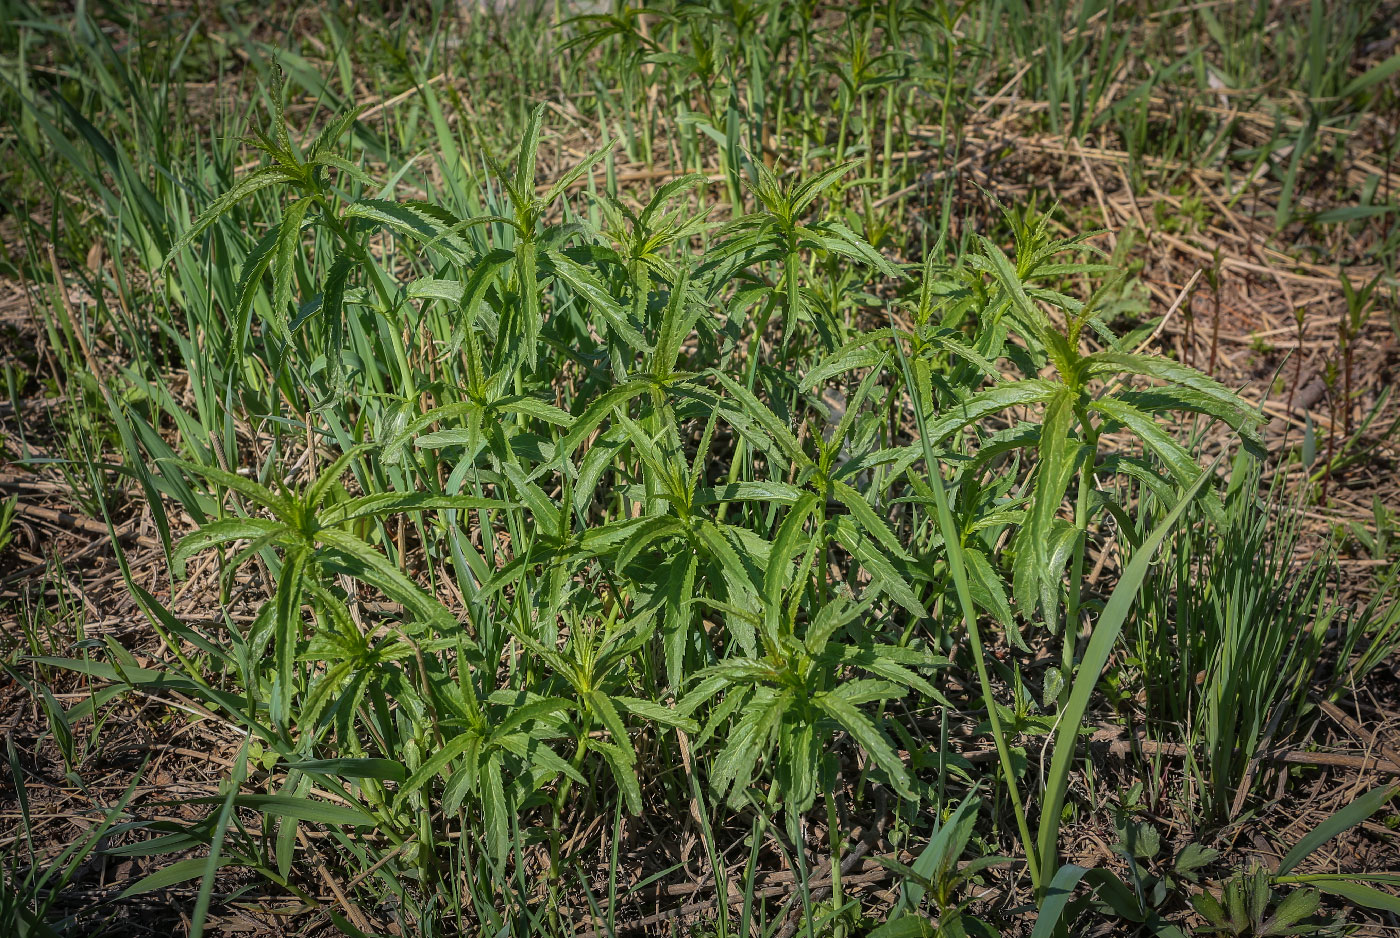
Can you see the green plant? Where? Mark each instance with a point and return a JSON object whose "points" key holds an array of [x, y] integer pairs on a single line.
{"points": [[788, 697], [778, 233], [1253, 902], [1229, 635], [1249, 907], [1377, 543], [31, 885], [1349, 326], [316, 546], [7, 518], [524, 539], [938, 877], [1155, 881]]}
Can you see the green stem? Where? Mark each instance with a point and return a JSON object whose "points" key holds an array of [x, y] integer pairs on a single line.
{"points": [[834, 839], [564, 785], [955, 564], [799, 849], [806, 93], [867, 135], [1076, 576], [376, 278], [736, 463], [947, 98], [887, 169], [841, 134]]}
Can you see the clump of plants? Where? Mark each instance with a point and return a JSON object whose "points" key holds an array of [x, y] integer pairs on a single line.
{"points": [[546, 514]]}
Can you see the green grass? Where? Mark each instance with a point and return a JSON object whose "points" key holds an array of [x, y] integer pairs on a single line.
{"points": [[647, 425]]}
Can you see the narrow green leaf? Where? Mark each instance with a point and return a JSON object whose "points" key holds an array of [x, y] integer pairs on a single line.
{"points": [[1101, 644], [1372, 76], [1345, 819], [284, 266], [1057, 896], [245, 187], [869, 738]]}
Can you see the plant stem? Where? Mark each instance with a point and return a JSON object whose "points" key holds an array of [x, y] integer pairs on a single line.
{"points": [[1076, 576], [834, 839], [955, 563]]}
